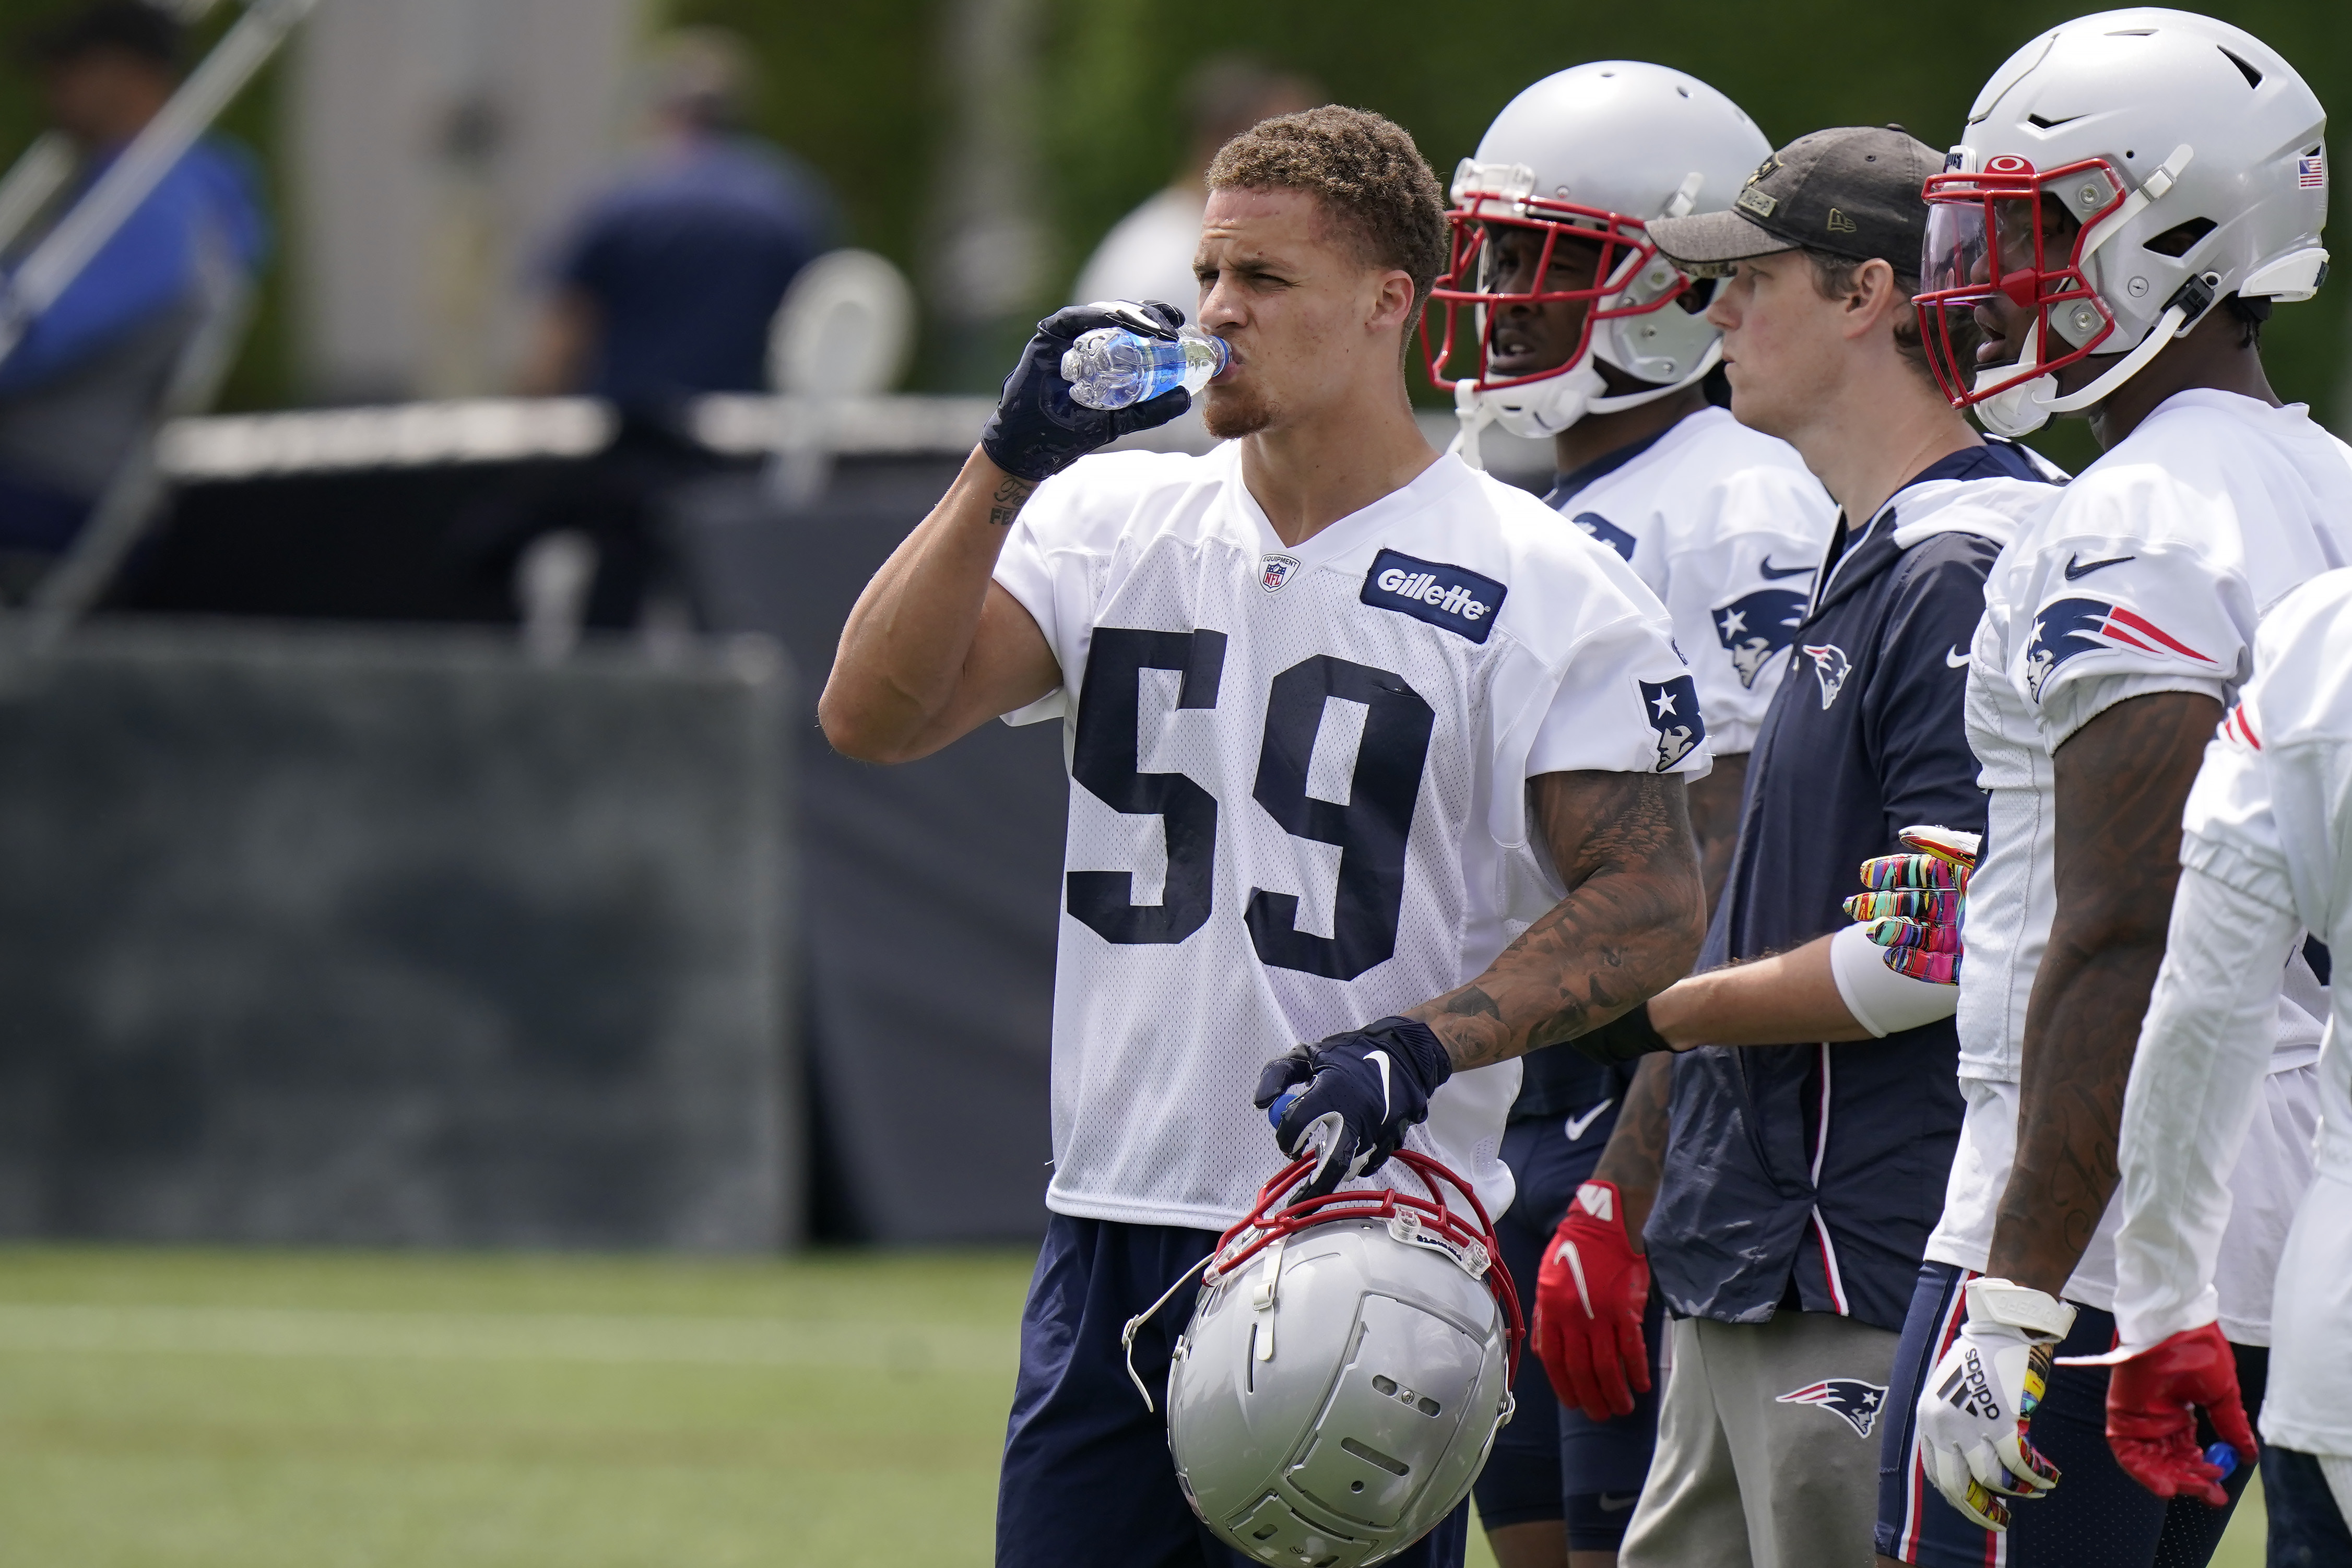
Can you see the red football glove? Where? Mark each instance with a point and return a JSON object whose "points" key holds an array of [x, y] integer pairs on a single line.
{"points": [[2152, 1404], [1589, 1299]]}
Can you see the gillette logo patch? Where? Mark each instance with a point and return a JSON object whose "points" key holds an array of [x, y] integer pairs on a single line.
{"points": [[1461, 601]]}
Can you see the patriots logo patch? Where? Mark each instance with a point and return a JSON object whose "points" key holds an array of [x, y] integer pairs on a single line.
{"points": [[2069, 626], [1607, 532], [1831, 667], [1756, 626], [1849, 1399], [1671, 708]]}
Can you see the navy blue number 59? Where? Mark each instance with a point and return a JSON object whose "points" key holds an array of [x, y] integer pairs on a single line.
{"points": [[1371, 829]]}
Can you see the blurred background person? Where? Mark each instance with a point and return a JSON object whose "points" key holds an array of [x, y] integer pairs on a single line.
{"points": [[81, 388], [662, 289], [1148, 254]]}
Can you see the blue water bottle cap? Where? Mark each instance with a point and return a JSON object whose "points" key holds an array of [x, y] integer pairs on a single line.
{"points": [[1274, 1113], [2223, 1458]]}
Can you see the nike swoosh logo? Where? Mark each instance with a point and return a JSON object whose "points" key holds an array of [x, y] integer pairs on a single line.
{"points": [[1617, 1504], [2078, 568], [1382, 1058], [1957, 659], [1773, 573], [1568, 1255], [1575, 1126]]}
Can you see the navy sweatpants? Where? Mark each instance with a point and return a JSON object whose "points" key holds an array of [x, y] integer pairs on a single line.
{"points": [[1087, 1481]]}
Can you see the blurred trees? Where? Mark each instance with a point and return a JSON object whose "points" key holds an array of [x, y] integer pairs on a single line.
{"points": [[853, 87], [860, 90]]}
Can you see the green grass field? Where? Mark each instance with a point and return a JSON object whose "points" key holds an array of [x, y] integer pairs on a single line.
{"points": [[209, 1410]]}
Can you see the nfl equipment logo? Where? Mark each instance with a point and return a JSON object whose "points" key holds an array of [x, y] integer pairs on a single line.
{"points": [[1274, 570], [2311, 174]]}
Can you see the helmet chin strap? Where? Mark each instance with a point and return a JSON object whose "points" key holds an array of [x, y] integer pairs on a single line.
{"points": [[2023, 409], [1471, 410], [1546, 408]]}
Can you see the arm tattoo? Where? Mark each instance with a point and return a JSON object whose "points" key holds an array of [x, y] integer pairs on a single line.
{"points": [[1010, 498], [1635, 1159], [1629, 927], [2122, 781]]}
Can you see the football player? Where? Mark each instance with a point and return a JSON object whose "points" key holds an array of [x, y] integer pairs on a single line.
{"points": [[1367, 752], [2264, 852], [2134, 192], [1797, 1191], [1578, 332]]}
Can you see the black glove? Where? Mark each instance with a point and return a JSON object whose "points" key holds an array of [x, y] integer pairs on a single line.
{"points": [[1363, 1089], [1037, 430], [1623, 1038]]}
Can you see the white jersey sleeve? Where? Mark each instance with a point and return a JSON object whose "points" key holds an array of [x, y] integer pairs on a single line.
{"points": [[2129, 598], [2205, 1047], [1624, 673], [1742, 566]]}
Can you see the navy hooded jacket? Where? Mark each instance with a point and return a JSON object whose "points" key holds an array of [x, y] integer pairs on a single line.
{"points": [[1811, 1174]]}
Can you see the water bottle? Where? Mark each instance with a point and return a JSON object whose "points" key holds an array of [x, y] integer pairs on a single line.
{"points": [[1111, 366]]}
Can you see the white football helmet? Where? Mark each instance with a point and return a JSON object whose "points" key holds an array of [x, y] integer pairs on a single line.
{"points": [[2189, 159], [1347, 1367], [1594, 152]]}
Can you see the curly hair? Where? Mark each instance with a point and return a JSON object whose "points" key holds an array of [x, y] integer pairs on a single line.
{"points": [[1375, 184]]}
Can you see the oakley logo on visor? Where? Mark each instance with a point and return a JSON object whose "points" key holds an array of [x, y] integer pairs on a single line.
{"points": [[1461, 601]]}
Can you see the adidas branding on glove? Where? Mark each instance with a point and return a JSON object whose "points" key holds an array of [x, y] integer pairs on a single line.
{"points": [[1461, 601]]}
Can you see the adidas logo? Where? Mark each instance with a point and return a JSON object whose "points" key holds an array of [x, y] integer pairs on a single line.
{"points": [[1968, 1389]]}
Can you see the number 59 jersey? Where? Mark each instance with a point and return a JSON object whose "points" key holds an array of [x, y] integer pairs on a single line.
{"points": [[1298, 791]]}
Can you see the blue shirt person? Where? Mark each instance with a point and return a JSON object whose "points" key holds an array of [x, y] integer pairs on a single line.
{"points": [[82, 385]]}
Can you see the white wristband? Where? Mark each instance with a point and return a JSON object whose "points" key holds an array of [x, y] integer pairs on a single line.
{"points": [[1881, 1000]]}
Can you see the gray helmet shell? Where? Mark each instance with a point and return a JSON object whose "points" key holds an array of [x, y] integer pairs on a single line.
{"points": [[1332, 1399]]}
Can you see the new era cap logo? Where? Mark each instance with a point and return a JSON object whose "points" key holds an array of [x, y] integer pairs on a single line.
{"points": [[1463, 601], [1839, 224]]}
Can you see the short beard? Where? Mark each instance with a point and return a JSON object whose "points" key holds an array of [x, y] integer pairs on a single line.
{"points": [[1231, 414]]}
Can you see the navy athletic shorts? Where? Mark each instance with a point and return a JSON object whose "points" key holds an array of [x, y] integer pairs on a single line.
{"points": [[1552, 1462], [2097, 1517], [2307, 1527], [1087, 1482]]}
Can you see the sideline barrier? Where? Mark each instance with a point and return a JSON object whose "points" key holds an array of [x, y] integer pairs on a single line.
{"points": [[377, 938]]}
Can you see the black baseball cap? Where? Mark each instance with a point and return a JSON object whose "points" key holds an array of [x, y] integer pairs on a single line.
{"points": [[1853, 192]]}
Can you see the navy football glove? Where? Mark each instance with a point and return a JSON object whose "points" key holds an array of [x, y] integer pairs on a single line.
{"points": [[1361, 1091], [1037, 430]]}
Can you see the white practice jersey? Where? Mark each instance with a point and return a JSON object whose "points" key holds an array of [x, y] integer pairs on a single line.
{"points": [[1298, 800], [1726, 526], [2149, 573], [2267, 855]]}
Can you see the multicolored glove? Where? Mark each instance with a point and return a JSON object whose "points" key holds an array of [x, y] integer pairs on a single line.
{"points": [[1977, 1405], [1916, 900], [2153, 1398], [1589, 1299]]}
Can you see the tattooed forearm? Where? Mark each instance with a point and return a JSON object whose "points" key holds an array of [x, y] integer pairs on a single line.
{"points": [[1629, 927], [1635, 1159], [2122, 781], [1010, 498]]}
